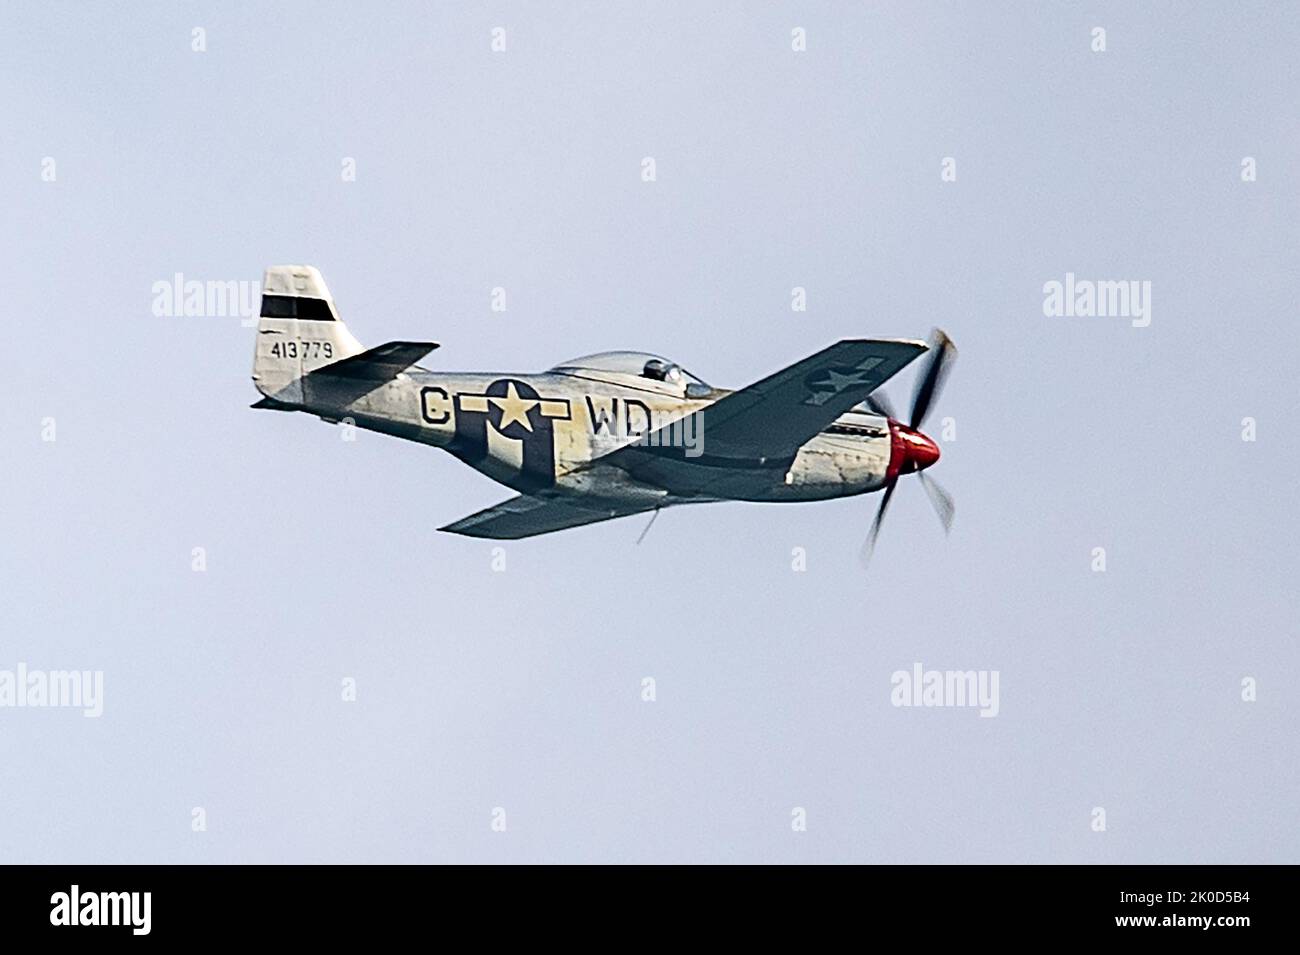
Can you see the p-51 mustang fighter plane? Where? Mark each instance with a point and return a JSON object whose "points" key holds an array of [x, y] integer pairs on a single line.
{"points": [[612, 434]]}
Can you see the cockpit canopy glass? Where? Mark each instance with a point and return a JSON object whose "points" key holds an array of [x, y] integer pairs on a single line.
{"points": [[634, 364]]}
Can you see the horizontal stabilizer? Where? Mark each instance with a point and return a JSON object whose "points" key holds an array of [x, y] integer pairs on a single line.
{"points": [[270, 404], [381, 363]]}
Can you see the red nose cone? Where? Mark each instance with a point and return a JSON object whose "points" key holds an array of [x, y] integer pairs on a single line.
{"points": [[912, 450]]}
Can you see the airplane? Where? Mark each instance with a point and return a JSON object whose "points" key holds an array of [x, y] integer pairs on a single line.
{"points": [[612, 434]]}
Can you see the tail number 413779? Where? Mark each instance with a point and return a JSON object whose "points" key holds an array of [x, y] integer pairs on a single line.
{"points": [[302, 348]]}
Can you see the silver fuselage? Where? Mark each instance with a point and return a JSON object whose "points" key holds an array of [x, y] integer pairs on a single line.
{"points": [[545, 433]]}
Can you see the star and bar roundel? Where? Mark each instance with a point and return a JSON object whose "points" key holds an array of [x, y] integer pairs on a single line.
{"points": [[515, 410]]}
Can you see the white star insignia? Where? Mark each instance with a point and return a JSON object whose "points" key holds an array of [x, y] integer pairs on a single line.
{"points": [[513, 408], [839, 382]]}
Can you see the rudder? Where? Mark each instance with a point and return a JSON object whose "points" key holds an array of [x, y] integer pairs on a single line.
{"points": [[298, 332]]}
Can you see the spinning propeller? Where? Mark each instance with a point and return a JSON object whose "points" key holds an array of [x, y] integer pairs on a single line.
{"points": [[911, 451]]}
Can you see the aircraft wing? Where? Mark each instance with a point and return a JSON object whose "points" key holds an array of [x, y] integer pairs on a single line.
{"points": [[769, 420], [527, 516]]}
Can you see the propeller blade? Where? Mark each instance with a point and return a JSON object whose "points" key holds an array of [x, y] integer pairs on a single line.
{"points": [[942, 354], [870, 544], [941, 499], [879, 404]]}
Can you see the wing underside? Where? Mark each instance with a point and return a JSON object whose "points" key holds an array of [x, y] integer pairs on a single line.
{"points": [[527, 516]]}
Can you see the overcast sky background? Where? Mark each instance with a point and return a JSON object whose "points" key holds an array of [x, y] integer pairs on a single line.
{"points": [[478, 689]]}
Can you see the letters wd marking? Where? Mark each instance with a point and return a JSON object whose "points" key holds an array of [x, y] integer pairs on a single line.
{"points": [[604, 417]]}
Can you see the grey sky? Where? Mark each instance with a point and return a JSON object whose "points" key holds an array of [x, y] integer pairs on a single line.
{"points": [[775, 169]]}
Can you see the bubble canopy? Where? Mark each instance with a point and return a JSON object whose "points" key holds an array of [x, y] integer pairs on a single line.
{"points": [[632, 364]]}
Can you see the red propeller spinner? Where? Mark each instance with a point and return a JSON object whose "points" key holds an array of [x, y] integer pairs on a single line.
{"points": [[911, 450]]}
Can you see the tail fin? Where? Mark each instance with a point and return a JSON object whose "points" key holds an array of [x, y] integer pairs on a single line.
{"points": [[299, 331]]}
